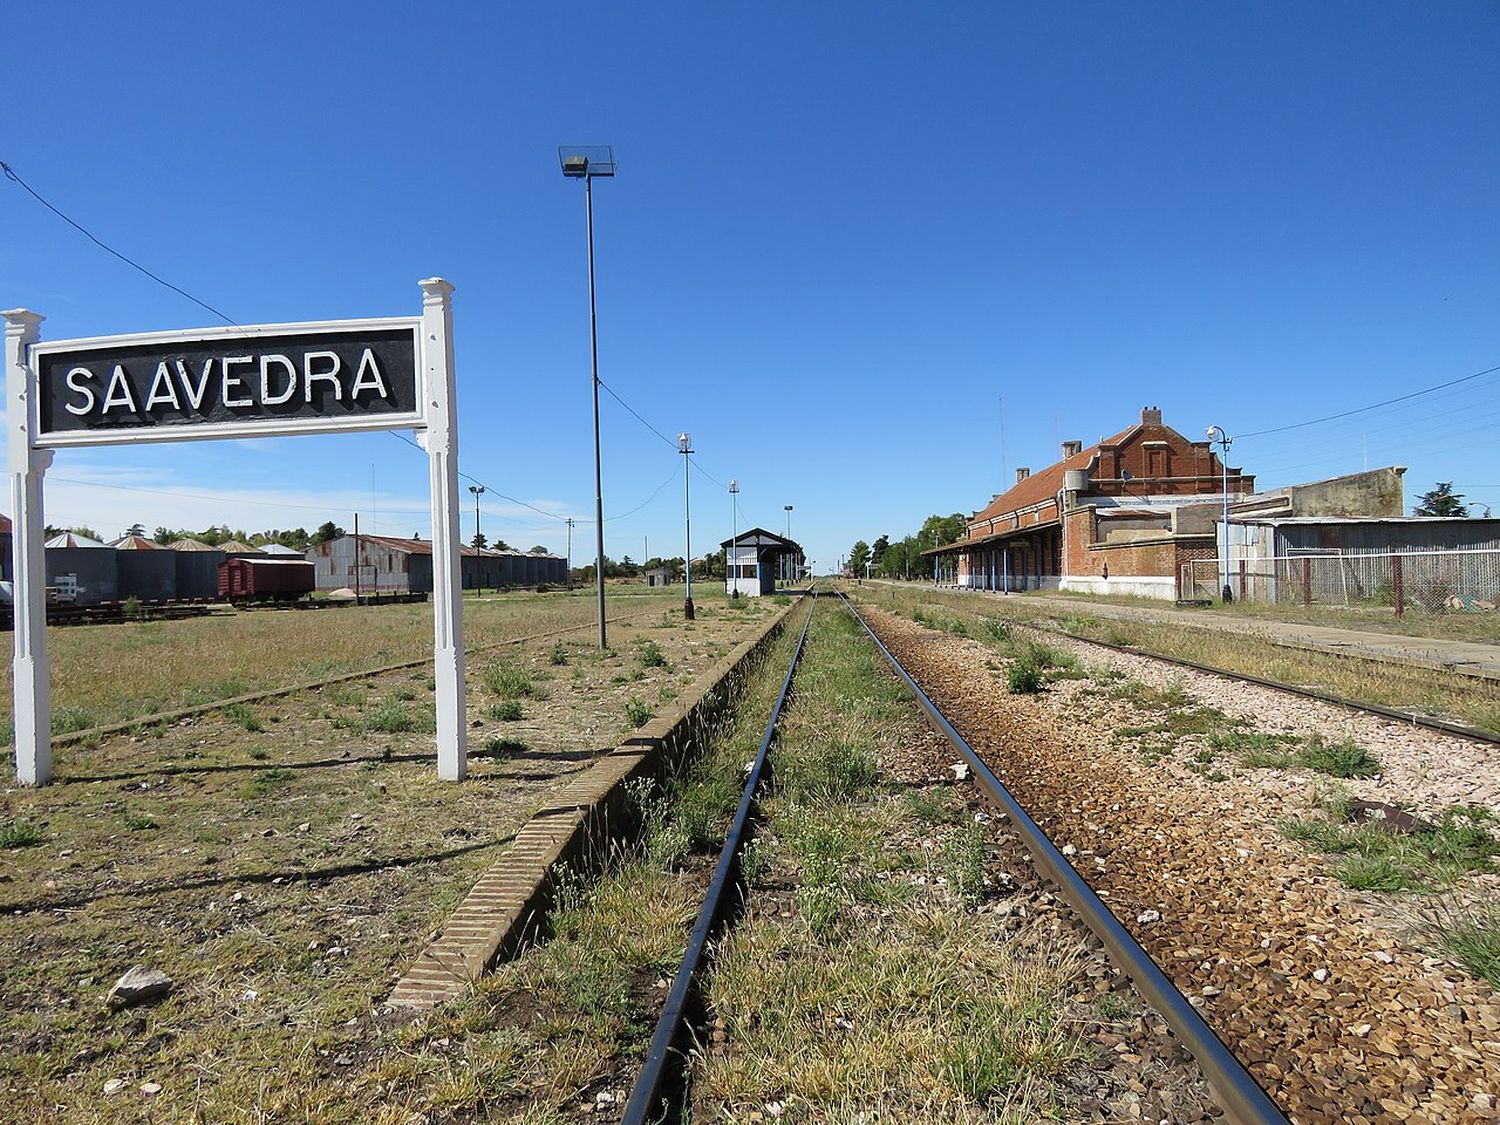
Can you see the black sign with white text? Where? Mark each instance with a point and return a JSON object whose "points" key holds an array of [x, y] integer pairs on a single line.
{"points": [[351, 375]]}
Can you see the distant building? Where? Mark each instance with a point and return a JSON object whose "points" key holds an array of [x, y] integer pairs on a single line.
{"points": [[753, 559], [386, 564], [1122, 516]]}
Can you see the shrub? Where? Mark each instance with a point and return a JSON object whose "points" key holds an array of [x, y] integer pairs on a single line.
{"points": [[559, 654], [651, 655], [391, 717], [1024, 677]]}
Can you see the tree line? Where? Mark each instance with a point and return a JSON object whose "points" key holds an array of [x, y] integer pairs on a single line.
{"points": [[902, 558]]}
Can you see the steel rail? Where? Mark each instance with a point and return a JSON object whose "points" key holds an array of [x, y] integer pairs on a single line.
{"points": [[1244, 1100], [1430, 722], [646, 1101]]}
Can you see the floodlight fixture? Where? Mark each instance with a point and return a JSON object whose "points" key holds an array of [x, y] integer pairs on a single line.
{"points": [[586, 161]]}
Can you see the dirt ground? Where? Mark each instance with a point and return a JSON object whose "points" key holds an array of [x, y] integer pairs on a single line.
{"points": [[283, 862]]}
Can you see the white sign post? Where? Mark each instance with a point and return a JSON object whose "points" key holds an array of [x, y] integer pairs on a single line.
{"points": [[270, 380]]}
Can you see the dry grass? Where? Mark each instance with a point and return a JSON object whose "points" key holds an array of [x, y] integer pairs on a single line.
{"points": [[284, 878], [868, 989], [118, 673]]}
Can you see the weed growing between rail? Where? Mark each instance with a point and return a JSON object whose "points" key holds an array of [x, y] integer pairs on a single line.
{"points": [[1373, 857], [861, 982]]}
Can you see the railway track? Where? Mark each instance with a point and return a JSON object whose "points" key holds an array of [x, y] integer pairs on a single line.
{"points": [[90, 733], [658, 1089], [1319, 990]]}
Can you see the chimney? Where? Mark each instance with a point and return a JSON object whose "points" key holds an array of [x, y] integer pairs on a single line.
{"points": [[1022, 474], [1151, 416], [1071, 449]]}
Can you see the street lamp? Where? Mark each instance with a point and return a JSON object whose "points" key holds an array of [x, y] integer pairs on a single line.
{"points": [[584, 162], [570, 521], [734, 537], [685, 447], [478, 491], [1224, 440], [788, 509]]}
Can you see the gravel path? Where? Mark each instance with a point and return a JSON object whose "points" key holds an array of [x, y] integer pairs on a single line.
{"points": [[1336, 1015]]}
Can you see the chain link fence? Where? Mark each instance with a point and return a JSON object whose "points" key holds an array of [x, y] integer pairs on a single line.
{"points": [[1435, 582]]}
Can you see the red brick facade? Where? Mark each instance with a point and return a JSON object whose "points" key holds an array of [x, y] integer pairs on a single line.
{"points": [[1110, 505]]}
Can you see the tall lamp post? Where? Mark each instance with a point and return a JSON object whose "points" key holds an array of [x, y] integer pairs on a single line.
{"points": [[478, 491], [685, 447], [1217, 434], [787, 508], [584, 163], [734, 539], [570, 521]]}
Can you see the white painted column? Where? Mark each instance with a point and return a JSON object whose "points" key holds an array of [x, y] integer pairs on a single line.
{"points": [[30, 683], [440, 439]]}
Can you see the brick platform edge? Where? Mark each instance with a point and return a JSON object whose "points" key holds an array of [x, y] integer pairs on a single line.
{"points": [[509, 902]]}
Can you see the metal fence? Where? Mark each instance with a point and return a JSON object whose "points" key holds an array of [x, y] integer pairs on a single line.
{"points": [[1452, 581]]}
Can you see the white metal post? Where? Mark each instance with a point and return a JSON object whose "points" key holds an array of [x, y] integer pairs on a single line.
{"points": [[440, 439], [30, 683]]}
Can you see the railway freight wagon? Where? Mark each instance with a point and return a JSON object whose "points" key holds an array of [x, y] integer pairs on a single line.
{"points": [[265, 580]]}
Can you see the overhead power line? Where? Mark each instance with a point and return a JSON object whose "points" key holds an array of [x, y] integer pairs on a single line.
{"points": [[1373, 406], [10, 174]]}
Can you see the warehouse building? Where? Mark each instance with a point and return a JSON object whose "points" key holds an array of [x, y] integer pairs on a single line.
{"points": [[383, 564]]}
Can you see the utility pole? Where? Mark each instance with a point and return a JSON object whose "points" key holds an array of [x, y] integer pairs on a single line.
{"points": [[570, 521]]}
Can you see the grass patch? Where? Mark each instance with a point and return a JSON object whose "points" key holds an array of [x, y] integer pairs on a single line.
{"points": [[1278, 751], [1470, 934], [390, 717], [1460, 842], [243, 715], [268, 781], [20, 834], [637, 713], [651, 655], [507, 711], [509, 682]]}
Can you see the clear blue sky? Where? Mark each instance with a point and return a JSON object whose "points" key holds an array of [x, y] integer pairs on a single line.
{"points": [[840, 234]]}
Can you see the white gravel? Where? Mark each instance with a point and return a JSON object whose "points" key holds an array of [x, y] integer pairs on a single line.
{"points": [[1424, 770]]}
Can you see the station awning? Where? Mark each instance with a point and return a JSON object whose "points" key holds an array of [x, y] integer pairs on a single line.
{"points": [[995, 539]]}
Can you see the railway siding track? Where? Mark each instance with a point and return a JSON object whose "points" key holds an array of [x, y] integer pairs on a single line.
{"points": [[1334, 1014], [804, 1021]]}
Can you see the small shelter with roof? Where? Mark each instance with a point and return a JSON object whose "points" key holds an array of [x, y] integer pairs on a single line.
{"points": [[752, 561]]}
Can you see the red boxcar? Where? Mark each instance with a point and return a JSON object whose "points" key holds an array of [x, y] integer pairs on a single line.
{"points": [[265, 580]]}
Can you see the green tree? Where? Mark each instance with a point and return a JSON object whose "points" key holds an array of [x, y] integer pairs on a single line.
{"points": [[537, 550], [327, 531], [136, 529], [878, 550], [859, 554], [479, 542], [1441, 501]]}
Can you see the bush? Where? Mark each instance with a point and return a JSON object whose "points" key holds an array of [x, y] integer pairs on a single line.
{"points": [[559, 654], [508, 682], [391, 717], [507, 710], [651, 655]]}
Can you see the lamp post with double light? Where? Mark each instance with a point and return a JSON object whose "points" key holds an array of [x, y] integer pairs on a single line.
{"points": [[685, 447], [478, 491], [1217, 435], [584, 162], [734, 538]]}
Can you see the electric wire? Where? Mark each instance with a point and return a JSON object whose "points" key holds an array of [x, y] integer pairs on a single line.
{"points": [[1373, 406], [10, 174]]}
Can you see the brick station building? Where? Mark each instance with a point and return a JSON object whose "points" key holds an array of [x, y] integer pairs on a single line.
{"points": [[1123, 516]]}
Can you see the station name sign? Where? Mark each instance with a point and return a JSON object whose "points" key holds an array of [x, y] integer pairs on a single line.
{"points": [[273, 380]]}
